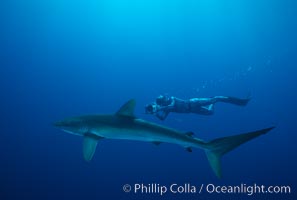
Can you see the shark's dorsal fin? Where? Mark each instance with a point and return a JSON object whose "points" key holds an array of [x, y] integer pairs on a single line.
{"points": [[127, 110]]}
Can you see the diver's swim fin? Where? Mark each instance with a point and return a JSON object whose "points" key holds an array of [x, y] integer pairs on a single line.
{"points": [[236, 101]]}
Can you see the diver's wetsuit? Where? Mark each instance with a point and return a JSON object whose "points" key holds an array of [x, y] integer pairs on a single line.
{"points": [[203, 106]]}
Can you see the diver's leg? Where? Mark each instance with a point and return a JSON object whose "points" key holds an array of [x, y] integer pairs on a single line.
{"points": [[202, 106], [232, 100], [203, 101], [207, 110]]}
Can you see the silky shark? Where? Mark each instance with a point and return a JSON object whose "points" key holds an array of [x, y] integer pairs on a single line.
{"points": [[124, 125]]}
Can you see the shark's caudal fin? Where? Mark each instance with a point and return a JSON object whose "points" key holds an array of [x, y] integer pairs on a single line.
{"points": [[218, 147]]}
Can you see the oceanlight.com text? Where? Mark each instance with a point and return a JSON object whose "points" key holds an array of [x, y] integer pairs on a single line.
{"points": [[188, 188]]}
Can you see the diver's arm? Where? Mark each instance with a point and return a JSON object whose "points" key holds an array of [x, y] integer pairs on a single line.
{"points": [[163, 111], [170, 107]]}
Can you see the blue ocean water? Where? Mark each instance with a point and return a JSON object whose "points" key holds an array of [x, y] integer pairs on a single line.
{"points": [[64, 58]]}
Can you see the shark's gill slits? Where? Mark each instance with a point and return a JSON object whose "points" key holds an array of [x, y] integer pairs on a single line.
{"points": [[83, 129]]}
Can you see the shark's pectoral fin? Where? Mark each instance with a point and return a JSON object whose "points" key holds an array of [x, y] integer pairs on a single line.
{"points": [[89, 147]]}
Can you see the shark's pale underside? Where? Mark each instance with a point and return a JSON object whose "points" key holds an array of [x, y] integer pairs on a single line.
{"points": [[124, 125]]}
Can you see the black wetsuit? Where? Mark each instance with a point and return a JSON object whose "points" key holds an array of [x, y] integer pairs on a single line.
{"points": [[203, 106]]}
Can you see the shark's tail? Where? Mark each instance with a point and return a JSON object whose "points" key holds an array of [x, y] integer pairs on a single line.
{"points": [[218, 147]]}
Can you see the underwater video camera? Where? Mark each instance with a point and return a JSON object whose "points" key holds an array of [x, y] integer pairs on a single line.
{"points": [[151, 108]]}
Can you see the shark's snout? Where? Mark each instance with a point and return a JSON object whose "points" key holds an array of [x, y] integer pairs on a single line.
{"points": [[59, 124], [55, 124]]}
